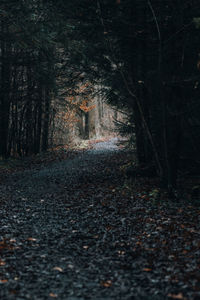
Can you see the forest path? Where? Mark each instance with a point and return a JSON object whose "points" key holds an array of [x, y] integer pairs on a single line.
{"points": [[53, 228], [72, 230], [61, 175]]}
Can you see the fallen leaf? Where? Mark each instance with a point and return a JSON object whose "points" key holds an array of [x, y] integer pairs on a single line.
{"points": [[177, 296], [139, 243], [53, 295], [2, 263], [32, 239], [147, 269], [4, 280], [58, 269], [121, 252], [106, 283], [70, 266], [12, 241]]}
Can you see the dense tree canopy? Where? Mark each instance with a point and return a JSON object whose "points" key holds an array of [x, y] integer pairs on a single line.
{"points": [[146, 53], [142, 55]]}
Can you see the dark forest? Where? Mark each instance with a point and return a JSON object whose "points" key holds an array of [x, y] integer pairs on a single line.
{"points": [[99, 149]]}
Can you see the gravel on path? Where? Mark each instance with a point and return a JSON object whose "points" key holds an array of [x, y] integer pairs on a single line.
{"points": [[50, 233], [66, 233]]}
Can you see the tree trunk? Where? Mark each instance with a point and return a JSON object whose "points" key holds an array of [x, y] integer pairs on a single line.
{"points": [[5, 52], [45, 131]]}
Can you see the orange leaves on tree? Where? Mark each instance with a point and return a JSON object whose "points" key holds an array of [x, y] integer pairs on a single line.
{"points": [[78, 99], [83, 92], [69, 117], [70, 99], [84, 87], [84, 106]]}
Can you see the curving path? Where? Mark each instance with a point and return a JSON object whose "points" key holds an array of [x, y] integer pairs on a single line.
{"points": [[71, 231]]}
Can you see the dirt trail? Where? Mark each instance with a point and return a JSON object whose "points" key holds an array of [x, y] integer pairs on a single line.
{"points": [[70, 230], [49, 233], [50, 179]]}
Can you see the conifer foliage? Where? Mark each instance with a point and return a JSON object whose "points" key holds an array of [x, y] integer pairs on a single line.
{"points": [[27, 76], [142, 55], [146, 53]]}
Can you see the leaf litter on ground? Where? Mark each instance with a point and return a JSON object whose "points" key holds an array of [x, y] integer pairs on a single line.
{"points": [[96, 236]]}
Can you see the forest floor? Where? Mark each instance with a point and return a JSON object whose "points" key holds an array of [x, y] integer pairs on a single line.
{"points": [[72, 227]]}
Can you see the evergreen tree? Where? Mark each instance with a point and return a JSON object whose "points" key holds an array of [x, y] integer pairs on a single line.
{"points": [[145, 53]]}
